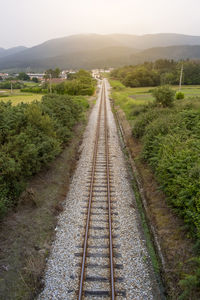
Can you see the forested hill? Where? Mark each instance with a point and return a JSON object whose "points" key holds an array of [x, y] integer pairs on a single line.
{"points": [[96, 51], [11, 51]]}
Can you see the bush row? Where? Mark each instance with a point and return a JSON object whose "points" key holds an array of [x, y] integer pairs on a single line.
{"points": [[161, 71], [171, 145], [31, 135]]}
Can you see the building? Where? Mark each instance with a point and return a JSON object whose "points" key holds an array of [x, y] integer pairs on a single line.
{"points": [[39, 76]]}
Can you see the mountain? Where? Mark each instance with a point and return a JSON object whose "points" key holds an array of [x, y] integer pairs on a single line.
{"points": [[156, 40], [172, 52], [11, 51], [95, 50]]}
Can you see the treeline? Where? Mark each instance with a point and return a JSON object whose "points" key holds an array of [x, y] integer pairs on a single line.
{"points": [[80, 83], [31, 135], [160, 72], [36, 89], [7, 85]]}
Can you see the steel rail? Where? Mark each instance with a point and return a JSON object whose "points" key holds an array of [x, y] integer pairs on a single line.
{"points": [[85, 244], [90, 202], [112, 280]]}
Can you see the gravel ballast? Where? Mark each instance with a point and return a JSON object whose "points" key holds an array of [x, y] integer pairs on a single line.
{"points": [[136, 279]]}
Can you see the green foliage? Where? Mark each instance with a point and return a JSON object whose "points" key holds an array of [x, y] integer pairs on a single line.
{"points": [[81, 83], [171, 146], [7, 85], [35, 79], [35, 90], [162, 71], [164, 96], [23, 76], [52, 73], [180, 95], [191, 282], [31, 135]]}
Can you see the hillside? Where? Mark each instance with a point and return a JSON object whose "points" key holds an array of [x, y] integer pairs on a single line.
{"points": [[11, 51], [156, 40], [94, 51], [173, 52]]}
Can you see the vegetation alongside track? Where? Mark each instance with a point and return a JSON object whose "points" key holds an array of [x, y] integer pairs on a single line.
{"points": [[171, 146], [32, 135], [39, 144], [161, 71]]}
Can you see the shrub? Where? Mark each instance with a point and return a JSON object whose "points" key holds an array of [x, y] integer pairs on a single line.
{"points": [[191, 282], [144, 119], [31, 135], [180, 95], [164, 96]]}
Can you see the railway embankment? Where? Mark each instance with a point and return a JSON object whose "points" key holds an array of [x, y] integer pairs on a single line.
{"points": [[172, 243]]}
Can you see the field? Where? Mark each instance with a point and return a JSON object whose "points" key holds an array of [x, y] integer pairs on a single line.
{"points": [[142, 95], [17, 97]]}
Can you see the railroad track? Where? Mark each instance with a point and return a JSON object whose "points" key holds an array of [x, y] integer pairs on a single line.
{"points": [[101, 264]]}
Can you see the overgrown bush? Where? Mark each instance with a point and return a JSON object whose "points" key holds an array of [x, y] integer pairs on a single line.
{"points": [[31, 135], [81, 83], [7, 85], [180, 95], [171, 146], [35, 89], [164, 96], [191, 282]]}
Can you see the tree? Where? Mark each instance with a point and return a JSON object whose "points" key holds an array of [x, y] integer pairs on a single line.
{"points": [[23, 76], [164, 96], [53, 73], [35, 79]]}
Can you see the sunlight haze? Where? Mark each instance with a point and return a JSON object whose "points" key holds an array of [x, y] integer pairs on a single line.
{"points": [[35, 21]]}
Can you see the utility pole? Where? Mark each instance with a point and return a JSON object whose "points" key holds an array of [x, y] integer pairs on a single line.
{"points": [[181, 76], [50, 84], [11, 88]]}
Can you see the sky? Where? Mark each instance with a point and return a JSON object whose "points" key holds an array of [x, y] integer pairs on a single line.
{"points": [[31, 22]]}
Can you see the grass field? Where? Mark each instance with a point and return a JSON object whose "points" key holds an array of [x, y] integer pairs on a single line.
{"points": [[142, 95], [17, 97], [132, 99]]}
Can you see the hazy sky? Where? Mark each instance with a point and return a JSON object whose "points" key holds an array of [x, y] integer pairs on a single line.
{"points": [[30, 22]]}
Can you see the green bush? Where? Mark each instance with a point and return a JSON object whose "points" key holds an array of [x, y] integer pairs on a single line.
{"points": [[35, 89], [171, 146], [180, 95], [7, 85], [191, 282], [164, 96], [146, 118], [81, 83], [32, 135]]}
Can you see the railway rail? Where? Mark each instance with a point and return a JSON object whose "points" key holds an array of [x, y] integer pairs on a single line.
{"points": [[99, 251], [98, 266]]}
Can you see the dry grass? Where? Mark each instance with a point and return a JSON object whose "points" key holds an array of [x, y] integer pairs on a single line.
{"points": [[25, 98]]}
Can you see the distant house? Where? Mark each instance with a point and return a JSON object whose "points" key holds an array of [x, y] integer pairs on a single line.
{"points": [[39, 76], [4, 75]]}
